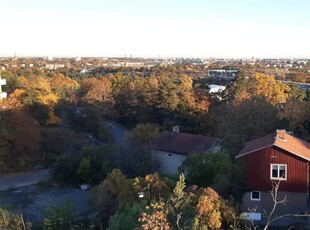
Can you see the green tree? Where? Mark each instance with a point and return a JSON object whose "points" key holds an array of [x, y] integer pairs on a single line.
{"points": [[60, 216], [95, 163], [181, 206], [5, 146], [84, 170], [209, 169], [127, 218], [297, 113], [247, 120], [142, 159]]}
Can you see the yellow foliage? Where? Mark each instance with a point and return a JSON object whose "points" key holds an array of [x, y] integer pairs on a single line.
{"points": [[49, 99], [14, 100], [208, 208], [265, 85], [157, 219]]}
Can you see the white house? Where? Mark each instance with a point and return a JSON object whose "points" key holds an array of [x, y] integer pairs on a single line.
{"points": [[216, 88], [172, 148]]}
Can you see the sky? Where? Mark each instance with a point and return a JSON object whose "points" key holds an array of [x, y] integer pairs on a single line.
{"points": [[153, 28]]}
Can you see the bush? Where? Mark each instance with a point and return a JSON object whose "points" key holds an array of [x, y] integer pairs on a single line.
{"points": [[59, 217]]}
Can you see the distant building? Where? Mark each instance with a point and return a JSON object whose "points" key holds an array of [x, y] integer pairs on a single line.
{"points": [[2, 94], [222, 73], [216, 88], [54, 66]]}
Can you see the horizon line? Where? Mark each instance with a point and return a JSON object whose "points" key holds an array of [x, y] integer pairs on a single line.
{"points": [[150, 57]]}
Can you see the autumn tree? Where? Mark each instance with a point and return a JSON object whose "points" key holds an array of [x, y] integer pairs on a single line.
{"points": [[64, 87], [22, 131], [259, 85], [208, 211], [153, 186], [155, 218], [25, 141], [37, 96], [12, 221], [115, 192], [97, 92], [181, 206]]}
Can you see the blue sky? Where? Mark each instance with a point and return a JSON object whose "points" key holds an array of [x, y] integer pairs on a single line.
{"points": [[169, 28]]}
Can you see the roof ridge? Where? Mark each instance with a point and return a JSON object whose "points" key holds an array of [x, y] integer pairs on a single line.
{"points": [[284, 140]]}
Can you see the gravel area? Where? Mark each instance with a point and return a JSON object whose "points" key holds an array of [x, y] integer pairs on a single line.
{"points": [[32, 201]]}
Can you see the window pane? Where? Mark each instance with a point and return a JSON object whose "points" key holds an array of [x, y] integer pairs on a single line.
{"points": [[275, 167], [275, 171], [282, 171], [255, 195], [282, 167]]}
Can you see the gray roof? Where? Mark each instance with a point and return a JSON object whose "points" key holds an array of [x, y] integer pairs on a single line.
{"points": [[183, 143]]}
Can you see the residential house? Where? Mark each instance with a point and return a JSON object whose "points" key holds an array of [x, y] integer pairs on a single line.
{"points": [[172, 148], [280, 158], [216, 88]]}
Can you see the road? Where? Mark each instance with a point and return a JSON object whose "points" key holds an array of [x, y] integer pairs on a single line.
{"points": [[15, 180], [119, 134]]}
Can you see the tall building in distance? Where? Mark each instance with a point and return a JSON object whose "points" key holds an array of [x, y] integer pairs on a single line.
{"points": [[2, 94]]}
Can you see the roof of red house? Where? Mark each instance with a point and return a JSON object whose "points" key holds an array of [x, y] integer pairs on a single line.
{"points": [[183, 143], [281, 139]]}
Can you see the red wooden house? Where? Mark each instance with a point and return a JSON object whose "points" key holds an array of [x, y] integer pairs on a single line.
{"points": [[276, 157]]}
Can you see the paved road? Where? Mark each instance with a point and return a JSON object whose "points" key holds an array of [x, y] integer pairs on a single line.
{"points": [[119, 134], [16, 180]]}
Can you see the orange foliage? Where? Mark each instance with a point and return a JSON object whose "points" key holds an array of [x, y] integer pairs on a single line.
{"points": [[96, 91], [157, 219], [208, 208]]}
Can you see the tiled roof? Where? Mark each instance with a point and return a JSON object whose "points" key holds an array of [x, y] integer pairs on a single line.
{"points": [[281, 139], [183, 143]]}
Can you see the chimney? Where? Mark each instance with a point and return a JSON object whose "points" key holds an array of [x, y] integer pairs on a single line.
{"points": [[280, 134], [175, 129]]}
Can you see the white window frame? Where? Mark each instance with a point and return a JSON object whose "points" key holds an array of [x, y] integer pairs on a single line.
{"points": [[255, 199], [278, 178]]}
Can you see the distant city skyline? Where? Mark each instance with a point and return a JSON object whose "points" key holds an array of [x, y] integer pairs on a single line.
{"points": [[153, 28]]}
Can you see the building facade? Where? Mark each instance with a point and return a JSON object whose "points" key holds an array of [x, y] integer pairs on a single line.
{"points": [[278, 159]]}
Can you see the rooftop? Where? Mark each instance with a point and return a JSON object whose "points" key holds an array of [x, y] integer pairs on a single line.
{"points": [[280, 139], [183, 143]]}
